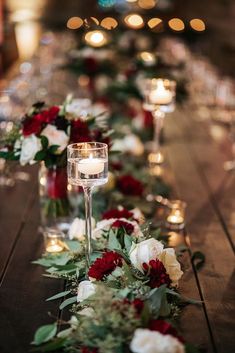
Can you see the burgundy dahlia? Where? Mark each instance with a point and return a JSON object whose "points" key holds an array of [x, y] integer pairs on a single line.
{"points": [[48, 116], [157, 274], [116, 213], [164, 328], [79, 131], [128, 227], [128, 185], [105, 265], [89, 350], [31, 126]]}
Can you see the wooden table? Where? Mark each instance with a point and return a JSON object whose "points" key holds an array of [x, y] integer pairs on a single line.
{"points": [[195, 168]]}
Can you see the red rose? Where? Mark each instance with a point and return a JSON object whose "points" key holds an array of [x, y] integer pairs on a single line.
{"points": [[79, 131], [57, 183], [128, 185], [116, 166], [48, 116], [91, 65], [31, 126], [105, 265], [164, 328], [157, 273], [137, 303], [128, 227], [148, 119], [115, 213]]}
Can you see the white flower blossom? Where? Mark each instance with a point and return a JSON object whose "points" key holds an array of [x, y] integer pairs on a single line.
{"points": [[56, 137], [146, 341], [85, 290], [30, 146], [77, 229]]}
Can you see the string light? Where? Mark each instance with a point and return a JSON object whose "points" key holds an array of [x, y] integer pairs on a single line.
{"points": [[96, 38], [154, 22], [109, 23], [198, 25], [176, 24], [146, 4], [134, 21], [74, 23]]}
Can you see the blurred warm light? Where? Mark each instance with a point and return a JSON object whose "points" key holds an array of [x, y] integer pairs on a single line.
{"points": [[153, 22], [176, 24], [109, 23], [27, 38], [147, 57], [134, 21], [74, 23], [146, 4], [198, 25], [94, 19], [131, 0], [83, 80], [96, 38], [23, 15]]}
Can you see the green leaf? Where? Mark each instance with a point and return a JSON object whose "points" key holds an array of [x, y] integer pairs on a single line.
{"points": [[73, 245], [198, 259], [59, 295], [53, 149], [183, 299], [44, 334], [113, 242], [68, 302], [40, 155], [158, 301], [127, 273], [127, 242], [44, 142], [56, 344]]}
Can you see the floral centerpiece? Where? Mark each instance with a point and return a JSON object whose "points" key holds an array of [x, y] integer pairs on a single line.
{"points": [[43, 135]]}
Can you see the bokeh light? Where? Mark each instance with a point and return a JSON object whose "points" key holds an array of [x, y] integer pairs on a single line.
{"points": [[74, 23], [109, 23], [154, 22], [96, 38], [198, 25], [134, 21], [147, 4], [176, 24]]}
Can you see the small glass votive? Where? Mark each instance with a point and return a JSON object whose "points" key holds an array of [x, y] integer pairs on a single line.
{"points": [[176, 217], [54, 240]]}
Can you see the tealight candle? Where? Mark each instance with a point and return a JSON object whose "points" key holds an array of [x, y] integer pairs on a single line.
{"points": [[54, 240], [91, 166], [160, 95], [175, 219]]}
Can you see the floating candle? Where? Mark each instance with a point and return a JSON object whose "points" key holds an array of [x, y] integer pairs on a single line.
{"points": [[91, 166], [160, 95], [175, 218], [54, 246]]}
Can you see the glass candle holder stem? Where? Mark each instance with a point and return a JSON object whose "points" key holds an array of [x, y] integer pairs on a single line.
{"points": [[88, 227], [158, 125]]}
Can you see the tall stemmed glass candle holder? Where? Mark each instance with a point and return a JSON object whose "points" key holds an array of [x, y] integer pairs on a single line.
{"points": [[159, 98], [88, 167]]}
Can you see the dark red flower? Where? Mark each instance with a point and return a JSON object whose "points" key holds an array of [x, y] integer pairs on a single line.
{"points": [[48, 116], [116, 213], [97, 135], [31, 126], [129, 228], [137, 303], [79, 131], [157, 273], [57, 183], [164, 328], [148, 119], [116, 166], [89, 350], [91, 65], [105, 265], [128, 185]]}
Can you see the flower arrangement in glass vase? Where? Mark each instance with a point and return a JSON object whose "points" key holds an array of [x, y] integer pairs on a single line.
{"points": [[42, 137]]}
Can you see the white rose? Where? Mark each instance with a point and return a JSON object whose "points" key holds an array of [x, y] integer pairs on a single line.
{"points": [[85, 290], [89, 312], [133, 145], [105, 224], [146, 341], [78, 107], [144, 252], [56, 137], [30, 146], [172, 266], [77, 229], [138, 215]]}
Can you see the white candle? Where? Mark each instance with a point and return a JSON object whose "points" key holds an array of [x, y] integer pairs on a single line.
{"points": [[91, 166], [160, 95], [54, 246]]}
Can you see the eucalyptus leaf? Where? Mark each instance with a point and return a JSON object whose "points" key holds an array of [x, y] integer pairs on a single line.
{"points": [[68, 302], [44, 334], [158, 301], [59, 295]]}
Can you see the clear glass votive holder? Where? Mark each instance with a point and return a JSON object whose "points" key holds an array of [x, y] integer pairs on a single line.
{"points": [[54, 240], [176, 217]]}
